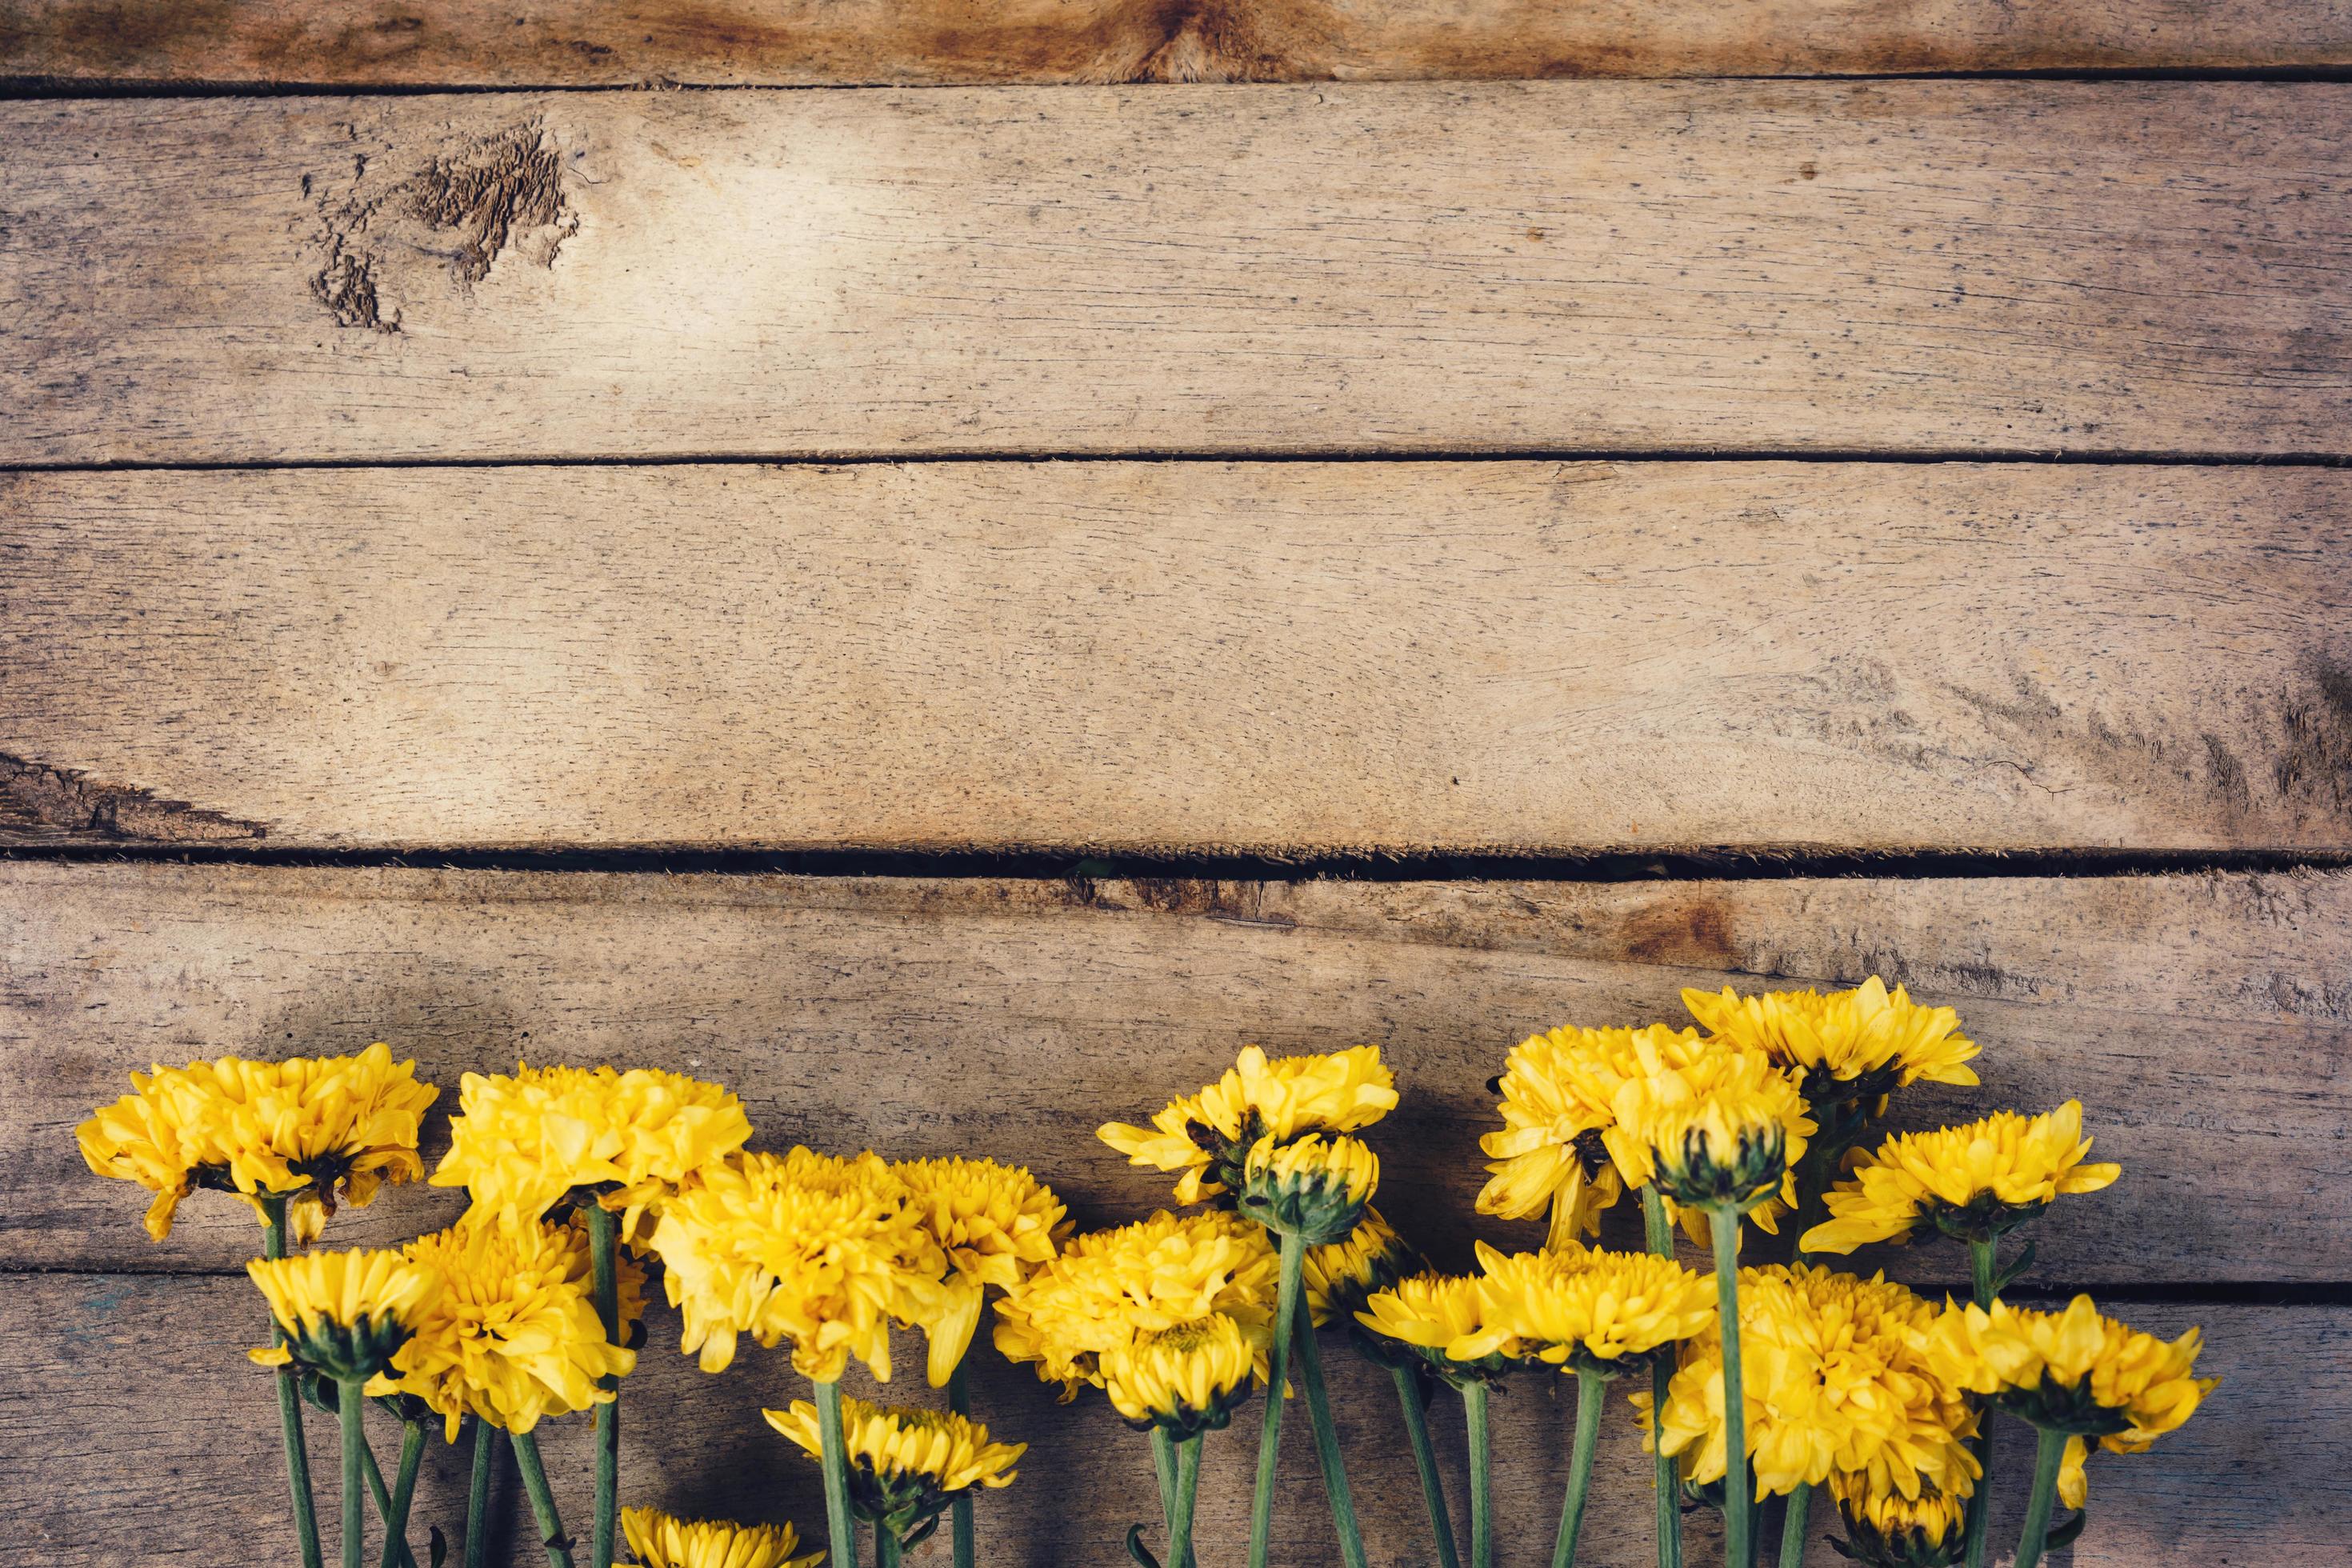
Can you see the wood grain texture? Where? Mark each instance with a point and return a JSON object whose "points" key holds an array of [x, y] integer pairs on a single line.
{"points": [[1955, 267], [1174, 657], [869, 42], [168, 1439], [2205, 1021]]}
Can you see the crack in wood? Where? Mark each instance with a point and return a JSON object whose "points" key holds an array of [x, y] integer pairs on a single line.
{"points": [[48, 803]]}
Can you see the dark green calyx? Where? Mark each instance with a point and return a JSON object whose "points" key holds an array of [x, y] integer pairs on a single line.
{"points": [[1983, 1218], [2060, 1408], [1694, 1174]]}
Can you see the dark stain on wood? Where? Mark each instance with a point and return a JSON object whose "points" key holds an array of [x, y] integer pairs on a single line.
{"points": [[1695, 933], [2315, 763], [39, 803]]}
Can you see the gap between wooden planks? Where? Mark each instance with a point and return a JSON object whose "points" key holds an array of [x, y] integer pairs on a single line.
{"points": [[2204, 1021], [143, 1437], [1172, 657], [844, 42], [1878, 268]]}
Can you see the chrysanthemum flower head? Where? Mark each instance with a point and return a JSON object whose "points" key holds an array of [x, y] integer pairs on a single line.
{"points": [[1315, 1186], [1207, 1136], [1340, 1274], [1587, 1310], [1429, 1318], [803, 1247], [1846, 1049], [1185, 1380], [1559, 1091], [343, 1313], [996, 1224], [315, 1130], [521, 1145], [905, 1465], [513, 1335], [1971, 1183], [664, 1541], [1888, 1529], [1108, 1286], [1727, 1127]]}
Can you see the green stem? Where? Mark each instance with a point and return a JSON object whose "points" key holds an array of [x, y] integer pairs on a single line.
{"points": [[605, 1278], [1163, 1469], [404, 1492], [1738, 1491], [1188, 1488], [383, 1495], [840, 1528], [289, 1401], [1326, 1444], [350, 1404], [886, 1550], [1424, 1459], [1481, 1480], [542, 1501], [960, 1511], [1792, 1527], [1667, 1479], [1269, 1435], [1591, 1393], [486, 1439], [1982, 1272], [2038, 1503]]}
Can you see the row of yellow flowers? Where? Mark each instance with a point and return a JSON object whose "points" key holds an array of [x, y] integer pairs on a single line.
{"points": [[1750, 1384]]}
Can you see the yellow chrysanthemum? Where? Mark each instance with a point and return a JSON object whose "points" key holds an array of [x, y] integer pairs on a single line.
{"points": [[513, 1335], [343, 1313], [521, 1145], [1585, 1309], [1207, 1135], [1438, 1319], [1108, 1286], [1859, 1042], [996, 1224], [664, 1541], [1836, 1377], [1315, 1186], [2075, 1372], [1972, 1182], [1186, 1379], [823, 1252], [1340, 1274], [320, 1129], [1726, 1127], [904, 1462], [1888, 1529], [1560, 1092]]}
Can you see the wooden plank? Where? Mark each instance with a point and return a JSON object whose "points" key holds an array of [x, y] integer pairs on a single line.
{"points": [[1155, 657], [2204, 1021], [138, 1390], [868, 42], [1942, 267]]}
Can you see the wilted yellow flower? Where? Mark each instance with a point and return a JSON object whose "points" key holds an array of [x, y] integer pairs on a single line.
{"points": [[1314, 1186], [1560, 1092], [820, 1251], [1848, 1043], [996, 1224], [513, 1335], [520, 1145], [663, 1541], [1207, 1136], [1185, 1379], [1586, 1310], [1110, 1286], [1888, 1529], [1971, 1183], [1340, 1274], [1439, 1319], [2074, 1372], [905, 1465], [344, 1313], [316, 1129], [1726, 1127]]}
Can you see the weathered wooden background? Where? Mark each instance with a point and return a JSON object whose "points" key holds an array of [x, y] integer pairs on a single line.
{"points": [[465, 551]]}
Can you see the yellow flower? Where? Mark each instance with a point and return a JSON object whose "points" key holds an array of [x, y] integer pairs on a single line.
{"points": [[996, 1224], [820, 1251], [1186, 1379], [1726, 1127], [2074, 1372], [343, 1313], [905, 1465], [1888, 1529], [1587, 1311], [1836, 1377], [1560, 1092], [1856, 1044], [1108, 1286], [513, 1335], [315, 1127], [1340, 1274], [1971, 1183], [1312, 1186], [1437, 1319], [520, 1145], [1207, 1135], [663, 1541]]}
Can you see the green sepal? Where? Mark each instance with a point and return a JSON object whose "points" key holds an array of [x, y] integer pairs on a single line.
{"points": [[1137, 1550]]}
